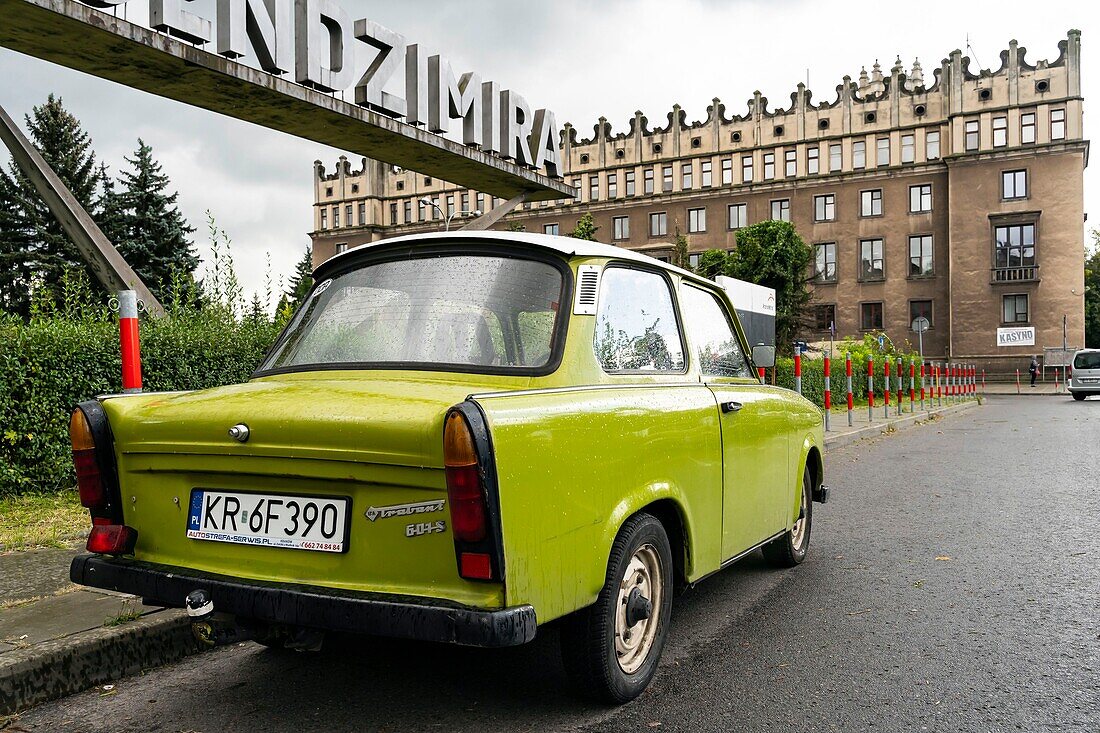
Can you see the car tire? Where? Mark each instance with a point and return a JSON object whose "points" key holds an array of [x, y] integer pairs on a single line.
{"points": [[1079, 396], [611, 649], [790, 549]]}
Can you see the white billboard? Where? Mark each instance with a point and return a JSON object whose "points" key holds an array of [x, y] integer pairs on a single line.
{"points": [[1016, 336]]}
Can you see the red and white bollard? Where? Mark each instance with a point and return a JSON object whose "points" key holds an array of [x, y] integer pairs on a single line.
{"points": [[129, 340], [870, 388], [897, 383], [848, 375], [939, 385], [797, 369], [1017, 381], [886, 388], [912, 385], [828, 391], [760, 373], [922, 385]]}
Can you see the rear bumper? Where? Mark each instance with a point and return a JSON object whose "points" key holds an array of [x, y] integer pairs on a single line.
{"points": [[408, 617]]}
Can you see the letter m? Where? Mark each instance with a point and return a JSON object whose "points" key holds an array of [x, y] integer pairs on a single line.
{"points": [[450, 99]]}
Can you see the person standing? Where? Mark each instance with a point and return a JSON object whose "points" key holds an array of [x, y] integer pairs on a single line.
{"points": [[1033, 368]]}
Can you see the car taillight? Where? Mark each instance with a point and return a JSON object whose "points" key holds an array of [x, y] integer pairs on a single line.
{"points": [[464, 489], [111, 539], [89, 480]]}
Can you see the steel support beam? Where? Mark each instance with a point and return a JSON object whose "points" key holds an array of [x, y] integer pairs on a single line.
{"points": [[494, 215]]}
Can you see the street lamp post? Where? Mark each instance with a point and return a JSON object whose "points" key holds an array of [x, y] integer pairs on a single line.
{"points": [[447, 217]]}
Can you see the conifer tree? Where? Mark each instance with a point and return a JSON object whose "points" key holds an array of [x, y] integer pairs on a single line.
{"points": [[34, 251], [300, 282], [155, 238]]}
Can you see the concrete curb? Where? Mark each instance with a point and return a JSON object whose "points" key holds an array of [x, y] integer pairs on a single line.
{"points": [[836, 440], [75, 663]]}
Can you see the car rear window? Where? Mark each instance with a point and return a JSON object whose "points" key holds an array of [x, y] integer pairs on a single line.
{"points": [[1090, 360], [478, 312]]}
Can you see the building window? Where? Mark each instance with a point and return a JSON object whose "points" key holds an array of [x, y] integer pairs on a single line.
{"points": [[920, 309], [348, 220], [427, 180], [612, 185], [1000, 132], [647, 181], [705, 175], [727, 171], [400, 185], [421, 211], [693, 261], [870, 316], [908, 148], [824, 317], [971, 134], [450, 204], [746, 169], [738, 216], [550, 229], [393, 213], [341, 247], [932, 145], [335, 217], [594, 188], [834, 157], [464, 202], [1057, 124], [791, 167], [1015, 308], [697, 220], [658, 224], [666, 178], [1014, 184], [328, 192], [1014, 246], [781, 210], [355, 188], [620, 226], [920, 255], [408, 212], [1027, 128], [577, 187], [769, 166], [812, 162], [324, 218], [825, 207], [480, 199], [859, 155], [686, 182], [871, 263], [920, 198], [825, 262], [870, 202], [883, 152], [629, 179]]}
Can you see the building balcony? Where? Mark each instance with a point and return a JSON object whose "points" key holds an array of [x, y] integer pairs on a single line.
{"points": [[1009, 275]]}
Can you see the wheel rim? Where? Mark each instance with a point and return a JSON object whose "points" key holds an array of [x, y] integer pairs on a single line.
{"points": [[798, 530], [634, 642]]}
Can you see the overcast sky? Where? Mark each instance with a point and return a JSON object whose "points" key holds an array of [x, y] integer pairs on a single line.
{"points": [[580, 59]]}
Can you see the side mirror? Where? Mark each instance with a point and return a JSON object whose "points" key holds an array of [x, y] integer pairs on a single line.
{"points": [[763, 356]]}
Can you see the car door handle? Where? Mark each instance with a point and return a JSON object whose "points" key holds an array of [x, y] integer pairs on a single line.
{"points": [[731, 406]]}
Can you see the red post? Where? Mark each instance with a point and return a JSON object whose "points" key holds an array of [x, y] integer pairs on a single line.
{"points": [[1017, 381], [848, 375], [897, 374], [760, 370], [870, 385], [828, 391], [886, 383], [912, 384], [797, 369], [129, 340], [922, 385]]}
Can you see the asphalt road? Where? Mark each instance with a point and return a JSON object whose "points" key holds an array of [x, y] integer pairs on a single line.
{"points": [[953, 584]]}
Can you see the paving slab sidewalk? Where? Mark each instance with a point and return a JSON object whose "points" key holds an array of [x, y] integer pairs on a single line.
{"points": [[57, 638]]}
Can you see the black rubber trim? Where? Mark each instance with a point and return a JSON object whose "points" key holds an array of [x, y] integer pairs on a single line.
{"points": [[409, 617], [493, 544], [105, 458]]}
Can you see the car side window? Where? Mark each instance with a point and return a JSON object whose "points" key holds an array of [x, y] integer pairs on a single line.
{"points": [[712, 335], [636, 328]]}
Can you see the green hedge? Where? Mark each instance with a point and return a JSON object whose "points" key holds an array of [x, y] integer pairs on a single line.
{"points": [[813, 377], [53, 362]]}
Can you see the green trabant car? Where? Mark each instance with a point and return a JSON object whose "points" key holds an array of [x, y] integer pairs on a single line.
{"points": [[460, 437]]}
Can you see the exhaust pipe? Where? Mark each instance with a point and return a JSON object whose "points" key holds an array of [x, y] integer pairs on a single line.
{"points": [[212, 628]]}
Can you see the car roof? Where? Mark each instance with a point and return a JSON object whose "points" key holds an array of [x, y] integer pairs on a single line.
{"points": [[567, 246]]}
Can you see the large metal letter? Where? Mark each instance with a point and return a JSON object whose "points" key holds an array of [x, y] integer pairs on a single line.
{"points": [[324, 56], [515, 127], [490, 116], [544, 143], [265, 24], [450, 99], [170, 17], [104, 3], [391, 49], [416, 85]]}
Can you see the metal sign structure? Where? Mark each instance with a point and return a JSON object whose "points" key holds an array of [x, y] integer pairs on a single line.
{"points": [[505, 141]]}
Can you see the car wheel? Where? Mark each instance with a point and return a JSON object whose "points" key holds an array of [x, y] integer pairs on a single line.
{"points": [[1079, 396], [790, 549], [611, 649]]}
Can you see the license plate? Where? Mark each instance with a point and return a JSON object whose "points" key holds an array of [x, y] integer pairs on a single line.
{"points": [[269, 520]]}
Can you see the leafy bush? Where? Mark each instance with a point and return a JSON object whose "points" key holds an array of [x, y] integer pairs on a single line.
{"points": [[57, 359]]}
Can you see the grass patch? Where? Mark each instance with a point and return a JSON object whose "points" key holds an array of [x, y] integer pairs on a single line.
{"points": [[41, 520], [129, 613]]}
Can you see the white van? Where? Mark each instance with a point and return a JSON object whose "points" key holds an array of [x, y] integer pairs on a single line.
{"points": [[1085, 379]]}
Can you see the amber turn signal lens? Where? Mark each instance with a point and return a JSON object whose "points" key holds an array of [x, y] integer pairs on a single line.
{"points": [[80, 432], [458, 442]]}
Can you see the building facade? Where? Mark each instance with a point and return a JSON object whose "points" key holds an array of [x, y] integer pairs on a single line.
{"points": [[959, 199]]}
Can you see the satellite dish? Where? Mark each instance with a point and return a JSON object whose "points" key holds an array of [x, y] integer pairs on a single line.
{"points": [[920, 324]]}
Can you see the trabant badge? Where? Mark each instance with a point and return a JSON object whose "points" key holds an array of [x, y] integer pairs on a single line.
{"points": [[404, 510]]}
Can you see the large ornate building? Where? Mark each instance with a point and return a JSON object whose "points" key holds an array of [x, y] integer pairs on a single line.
{"points": [[957, 197]]}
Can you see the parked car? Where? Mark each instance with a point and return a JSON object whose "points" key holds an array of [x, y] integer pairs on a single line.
{"points": [[460, 438], [1085, 378]]}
